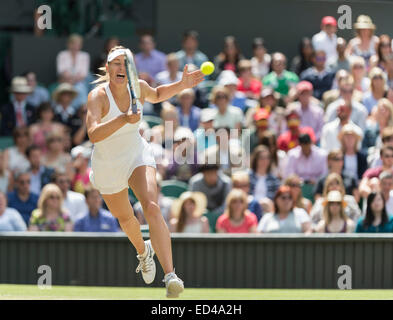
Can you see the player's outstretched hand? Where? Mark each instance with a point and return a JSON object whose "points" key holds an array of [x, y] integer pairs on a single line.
{"points": [[133, 117], [191, 79]]}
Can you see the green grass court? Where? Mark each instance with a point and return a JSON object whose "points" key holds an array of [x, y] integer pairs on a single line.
{"points": [[31, 292]]}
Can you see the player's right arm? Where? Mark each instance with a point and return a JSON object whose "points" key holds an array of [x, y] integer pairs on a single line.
{"points": [[96, 130]]}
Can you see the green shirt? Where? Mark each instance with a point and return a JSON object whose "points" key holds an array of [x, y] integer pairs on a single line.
{"points": [[385, 228], [281, 84]]}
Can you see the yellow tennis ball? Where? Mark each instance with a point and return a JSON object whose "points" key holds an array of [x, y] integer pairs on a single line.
{"points": [[207, 68]]}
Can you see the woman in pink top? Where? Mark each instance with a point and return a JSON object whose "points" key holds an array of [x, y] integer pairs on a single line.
{"points": [[237, 218]]}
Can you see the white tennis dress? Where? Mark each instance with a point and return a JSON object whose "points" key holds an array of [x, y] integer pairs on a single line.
{"points": [[114, 159]]}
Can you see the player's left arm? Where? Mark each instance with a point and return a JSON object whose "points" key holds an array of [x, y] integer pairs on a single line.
{"points": [[164, 92]]}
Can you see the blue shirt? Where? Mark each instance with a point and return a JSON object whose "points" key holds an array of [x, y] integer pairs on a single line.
{"points": [[103, 222], [151, 64], [385, 228], [24, 208]]}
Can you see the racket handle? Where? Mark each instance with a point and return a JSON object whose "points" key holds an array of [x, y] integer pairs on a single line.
{"points": [[134, 107]]}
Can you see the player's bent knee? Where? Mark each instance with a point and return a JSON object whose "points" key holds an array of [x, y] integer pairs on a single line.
{"points": [[151, 209]]}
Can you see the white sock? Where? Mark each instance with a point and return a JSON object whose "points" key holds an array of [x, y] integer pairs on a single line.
{"points": [[144, 254]]}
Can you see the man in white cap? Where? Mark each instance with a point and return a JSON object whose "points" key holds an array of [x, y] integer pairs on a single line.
{"points": [[17, 112]]}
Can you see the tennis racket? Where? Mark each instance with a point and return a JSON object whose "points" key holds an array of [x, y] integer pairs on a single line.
{"points": [[133, 83]]}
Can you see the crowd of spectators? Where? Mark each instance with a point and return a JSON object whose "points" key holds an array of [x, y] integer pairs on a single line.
{"points": [[317, 153]]}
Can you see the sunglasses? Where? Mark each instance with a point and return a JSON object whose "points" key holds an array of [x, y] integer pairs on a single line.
{"points": [[24, 181], [337, 159], [390, 138], [346, 90], [220, 96], [54, 197], [285, 197], [387, 155], [294, 185]]}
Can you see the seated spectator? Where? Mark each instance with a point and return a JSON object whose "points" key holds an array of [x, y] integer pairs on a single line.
{"points": [[214, 184], [374, 158], [205, 135], [165, 204], [295, 184], [182, 164], [384, 49], [311, 113], [269, 101], [187, 212], [334, 219], [333, 94], [72, 67], [386, 187], [5, 175], [389, 71], [359, 74], [50, 215], [358, 111], [226, 115], [335, 163], [285, 218], [81, 158], [77, 126], [39, 174], [365, 42], [171, 74], [290, 139], [229, 57], [331, 130], [188, 113], [63, 96], [96, 219], [21, 198], [39, 93], [326, 39], [263, 184], [45, 126], [376, 218], [241, 180], [249, 85], [380, 119], [237, 218], [228, 80], [15, 156], [190, 53], [386, 154], [17, 112], [280, 79], [342, 62], [320, 76], [303, 61], [74, 202], [260, 60], [170, 120], [10, 219], [149, 61], [378, 89], [335, 182], [307, 161], [261, 119], [55, 157], [355, 162]]}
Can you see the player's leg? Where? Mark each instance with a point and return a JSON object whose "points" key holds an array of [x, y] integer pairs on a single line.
{"points": [[120, 207], [143, 184]]}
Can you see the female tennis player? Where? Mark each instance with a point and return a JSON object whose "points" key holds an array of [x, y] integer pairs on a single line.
{"points": [[121, 158]]}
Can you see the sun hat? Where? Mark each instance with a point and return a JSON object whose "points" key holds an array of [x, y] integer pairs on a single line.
{"points": [[208, 114], [199, 199], [335, 196], [64, 88], [364, 22], [20, 85]]}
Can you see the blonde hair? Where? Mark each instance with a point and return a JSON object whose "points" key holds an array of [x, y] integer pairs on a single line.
{"points": [[356, 60], [330, 178], [235, 194], [240, 177], [46, 192], [377, 72], [105, 76], [327, 217], [216, 90]]}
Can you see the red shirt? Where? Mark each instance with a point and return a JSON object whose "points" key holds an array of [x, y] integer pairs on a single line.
{"points": [[255, 87], [249, 220], [286, 141]]}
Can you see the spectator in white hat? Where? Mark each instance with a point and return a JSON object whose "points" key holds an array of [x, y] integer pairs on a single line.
{"points": [[17, 112]]}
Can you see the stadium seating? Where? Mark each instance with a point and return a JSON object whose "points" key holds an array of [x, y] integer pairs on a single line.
{"points": [[152, 120], [6, 142], [173, 188]]}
